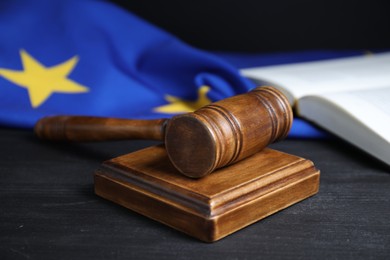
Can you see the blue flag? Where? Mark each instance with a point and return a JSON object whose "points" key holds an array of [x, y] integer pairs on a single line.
{"points": [[90, 57]]}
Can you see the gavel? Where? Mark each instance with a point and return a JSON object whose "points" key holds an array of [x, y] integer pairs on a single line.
{"points": [[197, 143]]}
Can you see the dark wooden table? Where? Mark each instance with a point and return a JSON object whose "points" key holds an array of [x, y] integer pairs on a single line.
{"points": [[49, 210]]}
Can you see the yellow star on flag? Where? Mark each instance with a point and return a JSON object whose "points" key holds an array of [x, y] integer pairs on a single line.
{"points": [[41, 81], [178, 105]]}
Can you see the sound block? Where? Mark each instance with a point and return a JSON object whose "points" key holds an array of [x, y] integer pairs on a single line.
{"points": [[212, 207]]}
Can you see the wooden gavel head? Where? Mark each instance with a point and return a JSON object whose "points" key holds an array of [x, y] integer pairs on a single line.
{"points": [[197, 143], [227, 131]]}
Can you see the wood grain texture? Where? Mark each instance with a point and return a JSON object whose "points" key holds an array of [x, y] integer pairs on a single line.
{"points": [[212, 207], [227, 131], [88, 128], [197, 143]]}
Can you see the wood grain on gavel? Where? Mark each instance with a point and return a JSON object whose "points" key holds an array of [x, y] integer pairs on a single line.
{"points": [[197, 143]]}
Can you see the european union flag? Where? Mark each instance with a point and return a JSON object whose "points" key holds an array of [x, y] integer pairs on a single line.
{"points": [[92, 58]]}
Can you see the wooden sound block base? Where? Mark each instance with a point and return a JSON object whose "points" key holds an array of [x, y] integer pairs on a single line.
{"points": [[212, 207]]}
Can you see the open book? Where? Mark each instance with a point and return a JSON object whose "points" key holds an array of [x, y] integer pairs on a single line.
{"points": [[349, 97]]}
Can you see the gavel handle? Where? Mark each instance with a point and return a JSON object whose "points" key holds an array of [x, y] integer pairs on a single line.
{"points": [[84, 128]]}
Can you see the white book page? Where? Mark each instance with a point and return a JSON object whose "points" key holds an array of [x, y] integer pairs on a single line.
{"points": [[327, 76], [360, 117], [372, 107]]}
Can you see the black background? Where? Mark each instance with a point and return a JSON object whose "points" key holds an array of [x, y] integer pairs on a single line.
{"points": [[268, 26]]}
